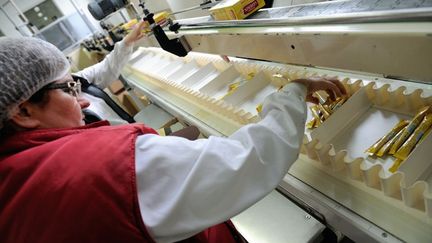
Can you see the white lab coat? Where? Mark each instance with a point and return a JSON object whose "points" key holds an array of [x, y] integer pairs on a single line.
{"points": [[187, 186], [104, 73]]}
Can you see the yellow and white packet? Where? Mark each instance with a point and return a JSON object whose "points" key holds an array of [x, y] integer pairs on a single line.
{"points": [[372, 150], [409, 129], [386, 147], [411, 142]]}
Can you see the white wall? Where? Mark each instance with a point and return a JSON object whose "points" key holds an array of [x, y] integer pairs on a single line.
{"points": [[67, 8], [7, 26]]}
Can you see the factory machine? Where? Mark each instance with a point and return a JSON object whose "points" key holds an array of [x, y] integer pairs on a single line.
{"points": [[381, 50]]}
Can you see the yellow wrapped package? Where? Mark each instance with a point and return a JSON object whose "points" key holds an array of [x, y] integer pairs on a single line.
{"points": [[386, 147], [311, 124], [259, 107], [316, 114], [411, 142], [396, 164], [235, 9], [377, 145], [425, 135], [129, 25], [409, 129], [324, 111], [338, 103], [159, 18]]}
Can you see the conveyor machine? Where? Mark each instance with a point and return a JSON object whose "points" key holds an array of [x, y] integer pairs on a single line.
{"points": [[381, 50]]}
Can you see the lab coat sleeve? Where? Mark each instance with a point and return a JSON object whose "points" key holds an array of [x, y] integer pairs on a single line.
{"points": [[187, 186], [108, 70]]}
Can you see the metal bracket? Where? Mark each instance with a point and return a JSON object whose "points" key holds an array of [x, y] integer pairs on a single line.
{"points": [[176, 46]]}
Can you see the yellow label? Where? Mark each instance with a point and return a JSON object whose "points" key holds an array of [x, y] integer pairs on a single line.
{"points": [[396, 164], [409, 129], [412, 141], [386, 147], [377, 145], [235, 9], [259, 108]]}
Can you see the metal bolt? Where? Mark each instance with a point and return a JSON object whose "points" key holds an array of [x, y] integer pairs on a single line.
{"points": [[384, 234], [308, 217]]}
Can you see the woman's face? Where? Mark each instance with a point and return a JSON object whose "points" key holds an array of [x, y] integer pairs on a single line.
{"points": [[63, 110]]}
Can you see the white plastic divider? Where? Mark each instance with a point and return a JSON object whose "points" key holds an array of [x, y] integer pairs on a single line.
{"points": [[184, 72], [201, 77], [137, 55], [218, 87], [151, 62], [249, 95], [354, 107], [417, 171], [162, 65], [140, 61], [221, 108], [170, 69]]}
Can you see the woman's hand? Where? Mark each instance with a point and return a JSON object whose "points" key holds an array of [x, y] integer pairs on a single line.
{"points": [[136, 34], [332, 86]]}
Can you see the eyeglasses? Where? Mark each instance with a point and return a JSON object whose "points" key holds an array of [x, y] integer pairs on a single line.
{"points": [[72, 87]]}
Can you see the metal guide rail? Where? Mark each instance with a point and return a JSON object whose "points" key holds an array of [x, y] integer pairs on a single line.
{"points": [[351, 11]]}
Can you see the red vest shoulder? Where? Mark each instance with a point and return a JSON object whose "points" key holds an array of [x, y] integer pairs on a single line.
{"points": [[71, 185], [76, 185]]}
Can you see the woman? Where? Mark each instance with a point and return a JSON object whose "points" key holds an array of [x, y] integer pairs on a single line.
{"points": [[61, 181]]}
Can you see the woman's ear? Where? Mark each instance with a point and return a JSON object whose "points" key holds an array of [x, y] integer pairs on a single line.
{"points": [[25, 118]]}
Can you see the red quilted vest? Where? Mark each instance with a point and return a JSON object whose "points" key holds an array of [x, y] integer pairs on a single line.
{"points": [[76, 185]]}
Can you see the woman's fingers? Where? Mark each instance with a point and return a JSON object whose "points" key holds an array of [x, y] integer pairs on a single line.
{"points": [[136, 33], [312, 99], [330, 87], [331, 94], [333, 87], [339, 85]]}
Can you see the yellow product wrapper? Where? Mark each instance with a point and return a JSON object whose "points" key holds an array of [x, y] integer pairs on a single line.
{"points": [[311, 124], [338, 103], [425, 135], [326, 113], [233, 86], [130, 24], [227, 94], [259, 108], [409, 129], [411, 142], [250, 75], [396, 164], [161, 18], [322, 100], [386, 147], [235, 9], [378, 144], [316, 115]]}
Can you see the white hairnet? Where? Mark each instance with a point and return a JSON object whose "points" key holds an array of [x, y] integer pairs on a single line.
{"points": [[26, 65]]}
